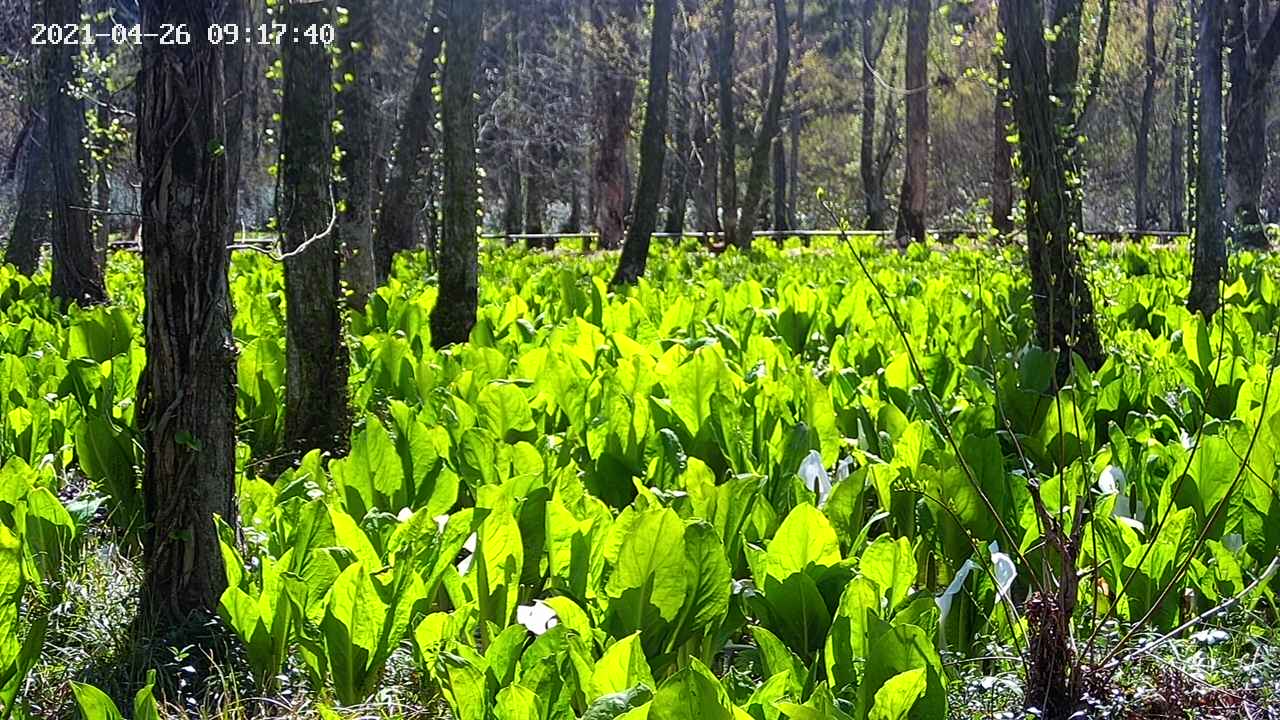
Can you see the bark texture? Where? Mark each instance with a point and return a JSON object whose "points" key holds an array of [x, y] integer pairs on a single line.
{"points": [[614, 95], [1142, 212], [653, 149], [358, 116], [1209, 259], [914, 200], [31, 221], [1254, 47], [316, 413], [1063, 301], [726, 39], [77, 269], [1177, 132], [455, 311], [187, 394], [396, 228], [873, 163], [769, 127]]}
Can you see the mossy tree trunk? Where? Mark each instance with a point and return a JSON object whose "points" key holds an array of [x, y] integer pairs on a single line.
{"points": [[1063, 301], [187, 393], [316, 412], [455, 311]]}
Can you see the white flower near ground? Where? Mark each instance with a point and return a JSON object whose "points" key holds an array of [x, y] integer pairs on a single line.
{"points": [[1112, 481], [469, 547], [537, 617], [815, 476], [1003, 570], [405, 515]]}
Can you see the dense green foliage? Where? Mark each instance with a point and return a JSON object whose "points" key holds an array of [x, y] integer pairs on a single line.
{"points": [[726, 484]]}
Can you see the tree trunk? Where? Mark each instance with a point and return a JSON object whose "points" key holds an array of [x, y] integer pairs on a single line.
{"points": [[358, 117], [316, 414], [512, 201], [877, 205], [535, 207], [1002, 156], [779, 187], [1063, 301], [768, 128], [653, 150], [1253, 55], [914, 201], [614, 96], [77, 272], [458, 263], [187, 393], [1177, 133], [725, 76], [1209, 259], [678, 183], [31, 222], [1142, 154], [707, 192], [395, 230]]}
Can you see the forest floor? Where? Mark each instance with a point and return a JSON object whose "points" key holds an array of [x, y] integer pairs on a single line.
{"points": [[1228, 670]]}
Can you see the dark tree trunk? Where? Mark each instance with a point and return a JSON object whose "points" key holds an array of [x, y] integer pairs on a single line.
{"points": [[914, 200], [1209, 259], [1142, 154], [396, 227], [455, 311], [31, 222], [871, 166], [726, 39], [779, 187], [535, 207], [1177, 133], [512, 201], [706, 201], [316, 414], [794, 127], [678, 183], [768, 128], [77, 272], [653, 150], [1063, 301], [358, 117], [1002, 156], [1253, 55], [614, 96], [187, 394]]}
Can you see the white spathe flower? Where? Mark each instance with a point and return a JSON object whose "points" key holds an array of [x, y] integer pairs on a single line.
{"points": [[843, 468], [469, 547], [1233, 542], [1004, 570], [815, 476], [537, 617], [1113, 482], [405, 515]]}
